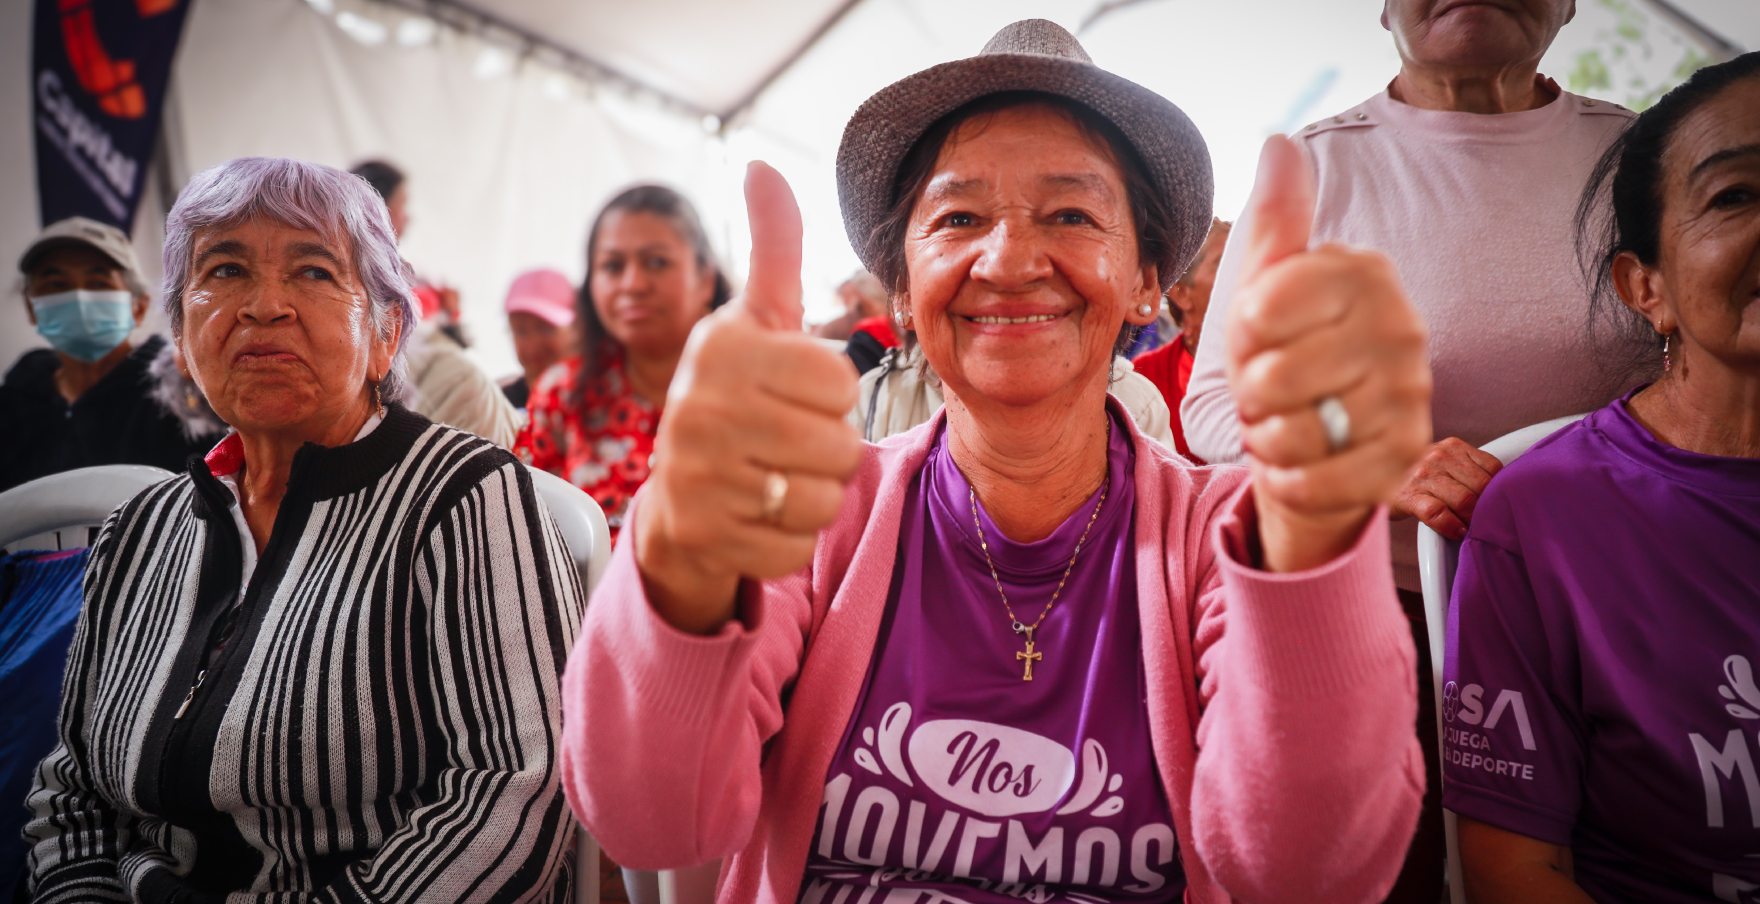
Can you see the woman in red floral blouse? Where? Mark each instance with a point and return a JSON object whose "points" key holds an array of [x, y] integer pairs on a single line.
{"points": [[650, 278]]}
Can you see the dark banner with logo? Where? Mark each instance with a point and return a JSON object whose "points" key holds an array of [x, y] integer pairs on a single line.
{"points": [[98, 73]]}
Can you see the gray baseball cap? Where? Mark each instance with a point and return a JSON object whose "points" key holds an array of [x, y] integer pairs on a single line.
{"points": [[1029, 55], [104, 238]]}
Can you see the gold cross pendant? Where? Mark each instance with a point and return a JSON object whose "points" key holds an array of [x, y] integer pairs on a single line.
{"points": [[1031, 657]]}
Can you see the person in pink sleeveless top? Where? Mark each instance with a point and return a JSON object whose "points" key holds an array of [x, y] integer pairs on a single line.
{"points": [[1019, 652]]}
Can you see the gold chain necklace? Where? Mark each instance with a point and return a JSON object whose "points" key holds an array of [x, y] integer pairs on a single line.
{"points": [[1030, 657]]}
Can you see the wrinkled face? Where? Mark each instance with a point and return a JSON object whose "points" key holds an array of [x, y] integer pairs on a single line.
{"points": [[537, 342], [648, 288], [1022, 259], [1709, 268], [278, 330], [72, 267], [1475, 34]]}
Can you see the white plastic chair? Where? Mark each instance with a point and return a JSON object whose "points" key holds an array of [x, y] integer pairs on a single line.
{"points": [[582, 524], [63, 509], [588, 538], [1438, 557]]}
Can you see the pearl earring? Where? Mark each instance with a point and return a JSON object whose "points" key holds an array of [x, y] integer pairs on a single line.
{"points": [[1145, 310]]}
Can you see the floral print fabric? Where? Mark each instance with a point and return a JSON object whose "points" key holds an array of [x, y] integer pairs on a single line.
{"points": [[602, 443]]}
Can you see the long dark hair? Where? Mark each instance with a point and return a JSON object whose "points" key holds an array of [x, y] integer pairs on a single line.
{"points": [[670, 206], [1621, 210]]}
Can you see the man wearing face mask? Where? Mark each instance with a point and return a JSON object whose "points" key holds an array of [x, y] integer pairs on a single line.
{"points": [[88, 401]]}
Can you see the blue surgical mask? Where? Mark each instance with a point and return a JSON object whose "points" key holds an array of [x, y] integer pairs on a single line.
{"points": [[84, 323]]}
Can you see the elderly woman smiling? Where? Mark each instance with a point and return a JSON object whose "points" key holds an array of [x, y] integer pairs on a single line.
{"points": [[1019, 651], [322, 665]]}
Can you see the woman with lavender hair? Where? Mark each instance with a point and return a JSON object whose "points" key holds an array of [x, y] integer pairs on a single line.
{"points": [[321, 665]]}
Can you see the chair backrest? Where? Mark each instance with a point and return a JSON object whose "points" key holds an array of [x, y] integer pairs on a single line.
{"points": [[588, 538], [71, 502], [1438, 557], [581, 521]]}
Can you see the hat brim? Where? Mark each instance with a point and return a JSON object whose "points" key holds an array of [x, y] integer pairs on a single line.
{"points": [[34, 254], [542, 309], [886, 127]]}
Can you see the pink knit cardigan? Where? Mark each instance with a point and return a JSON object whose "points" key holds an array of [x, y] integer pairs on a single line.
{"points": [[1281, 706]]}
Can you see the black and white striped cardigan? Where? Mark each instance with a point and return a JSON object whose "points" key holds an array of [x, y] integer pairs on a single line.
{"points": [[382, 721]]}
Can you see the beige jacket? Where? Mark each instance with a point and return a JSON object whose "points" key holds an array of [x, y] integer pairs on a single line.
{"points": [[904, 400], [451, 389]]}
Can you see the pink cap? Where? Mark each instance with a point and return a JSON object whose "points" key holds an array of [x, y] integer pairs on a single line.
{"points": [[545, 293]]}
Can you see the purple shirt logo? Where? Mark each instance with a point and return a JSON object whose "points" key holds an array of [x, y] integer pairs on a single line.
{"points": [[956, 782]]}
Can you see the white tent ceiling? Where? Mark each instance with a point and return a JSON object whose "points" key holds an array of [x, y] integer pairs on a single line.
{"points": [[712, 56], [718, 57]]}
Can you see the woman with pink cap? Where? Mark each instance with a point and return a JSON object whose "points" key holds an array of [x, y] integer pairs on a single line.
{"points": [[540, 312]]}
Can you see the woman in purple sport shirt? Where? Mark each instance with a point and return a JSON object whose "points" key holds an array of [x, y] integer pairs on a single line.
{"points": [[1601, 706]]}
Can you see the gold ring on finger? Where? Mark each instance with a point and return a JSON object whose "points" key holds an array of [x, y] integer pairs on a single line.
{"points": [[775, 497]]}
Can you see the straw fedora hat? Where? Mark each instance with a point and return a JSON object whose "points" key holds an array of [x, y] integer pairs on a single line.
{"points": [[1029, 55]]}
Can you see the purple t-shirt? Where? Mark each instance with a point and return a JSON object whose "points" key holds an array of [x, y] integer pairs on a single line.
{"points": [[956, 780], [1600, 687]]}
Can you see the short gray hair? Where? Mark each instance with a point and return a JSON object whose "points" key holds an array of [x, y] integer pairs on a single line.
{"points": [[333, 203]]}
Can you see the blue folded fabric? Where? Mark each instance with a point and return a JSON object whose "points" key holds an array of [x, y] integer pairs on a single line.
{"points": [[40, 594]]}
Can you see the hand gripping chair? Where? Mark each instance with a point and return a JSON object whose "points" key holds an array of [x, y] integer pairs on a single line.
{"points": [[1438, 557]]}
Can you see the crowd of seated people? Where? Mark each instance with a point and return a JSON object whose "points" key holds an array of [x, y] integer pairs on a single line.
{"points": [[969, 620]]}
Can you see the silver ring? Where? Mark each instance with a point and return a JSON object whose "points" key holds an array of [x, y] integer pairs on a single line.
{"points": [[1336, 421], [775, 497]]}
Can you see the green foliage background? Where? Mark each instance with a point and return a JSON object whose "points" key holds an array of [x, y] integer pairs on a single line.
{"points": [[1636, 60]]}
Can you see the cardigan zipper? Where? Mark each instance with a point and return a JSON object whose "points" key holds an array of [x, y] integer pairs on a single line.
{"points": [[191, 695], [224, 632]]}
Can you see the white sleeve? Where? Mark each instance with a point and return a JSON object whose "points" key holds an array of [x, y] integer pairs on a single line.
{"points": [[452, 390], [1213, 429], [1144, 401]]}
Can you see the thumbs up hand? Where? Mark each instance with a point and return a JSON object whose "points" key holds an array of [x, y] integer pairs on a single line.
{"points": [[753, 451], [1306, 327]]}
